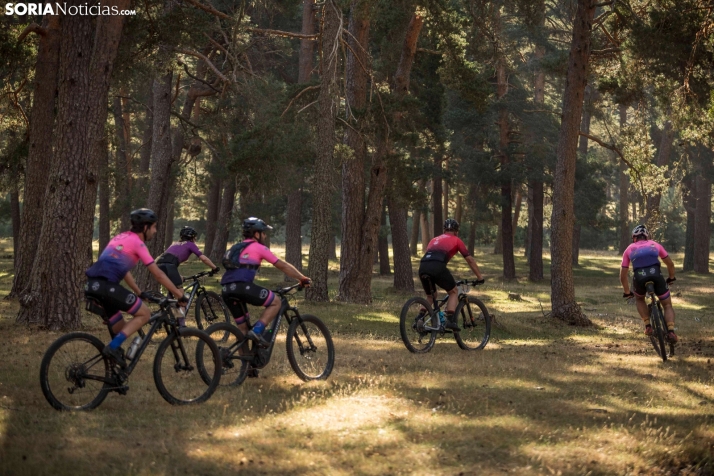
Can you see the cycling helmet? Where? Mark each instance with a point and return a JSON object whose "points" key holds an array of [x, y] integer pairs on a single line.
{"points": [[451, 225], [143, 216], [253, 224], [187, 233], [640, 230]]}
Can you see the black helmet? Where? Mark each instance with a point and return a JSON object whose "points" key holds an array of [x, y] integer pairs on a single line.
{"points": [[187, 233], [253, 224], [640, 230], [451, 225], [143, 216]]}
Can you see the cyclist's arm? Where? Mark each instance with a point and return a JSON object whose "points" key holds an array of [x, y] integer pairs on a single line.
{"points": [[670, 266], [623, 279], [474, 267], [129, 280], [207, 261], [289, 269], [164, 280]]}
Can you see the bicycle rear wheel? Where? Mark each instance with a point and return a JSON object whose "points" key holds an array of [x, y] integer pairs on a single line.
{"points": [[73, 372], [659, 333], [234, 370], [414, 324], [475, 322], [210, 309], [310, 349], [176, 367]]}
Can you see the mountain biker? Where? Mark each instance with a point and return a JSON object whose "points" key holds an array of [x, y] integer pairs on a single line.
{"points": [[178, 253], [644, 254], [433, 271], [114, 264], [242, 261]]}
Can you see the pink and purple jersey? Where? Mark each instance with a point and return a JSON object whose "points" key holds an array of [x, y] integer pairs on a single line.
{"points": [[251, 257], [119, 257], [444, 247], [643, 254], [183, 249]]}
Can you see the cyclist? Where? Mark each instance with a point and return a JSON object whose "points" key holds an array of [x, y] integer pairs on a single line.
{"points": [[433, 271], [114, 264], [242, 261], [644, 254], [178, 253]]}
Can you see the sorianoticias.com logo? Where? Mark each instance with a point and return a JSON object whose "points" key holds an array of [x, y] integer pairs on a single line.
{"points": [[64, 9]]}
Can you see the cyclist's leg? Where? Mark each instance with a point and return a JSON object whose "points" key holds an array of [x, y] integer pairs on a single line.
{"points": [[237, 307], [427, 283], [638, 288]]}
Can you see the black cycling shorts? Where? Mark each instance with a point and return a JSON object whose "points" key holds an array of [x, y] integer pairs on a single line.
{"points": [[237, 295], [438, 275], [645, 275], [113, 297], [172, 272]]}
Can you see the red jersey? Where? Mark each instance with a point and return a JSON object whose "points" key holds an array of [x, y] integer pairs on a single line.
{"points": [[444, 247]]}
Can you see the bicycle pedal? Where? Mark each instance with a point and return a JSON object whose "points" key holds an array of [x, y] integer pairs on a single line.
{"points": [[121, 390]]}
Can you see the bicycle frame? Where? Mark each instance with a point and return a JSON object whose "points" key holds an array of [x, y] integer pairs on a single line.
{"points": [[438, 303]]}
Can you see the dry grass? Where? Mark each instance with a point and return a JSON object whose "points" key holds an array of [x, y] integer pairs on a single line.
{"points": [[542, 398]]}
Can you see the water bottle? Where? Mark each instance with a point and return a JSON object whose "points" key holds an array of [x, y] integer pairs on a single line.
{"points": [[442, 318], [134, 347]]}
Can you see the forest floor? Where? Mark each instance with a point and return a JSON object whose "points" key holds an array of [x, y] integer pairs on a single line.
{"points": [[542, 398]]}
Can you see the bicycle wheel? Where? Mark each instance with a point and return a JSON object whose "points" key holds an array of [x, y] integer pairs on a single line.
{"points": [[414, 324], [176, 367], [311, 352], [475, 322], [234, 370], [659, 333], [73, 372], [210, 309]]}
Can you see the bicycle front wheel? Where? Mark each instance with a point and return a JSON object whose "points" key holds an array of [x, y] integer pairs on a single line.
{"points": [[475, 322], [73, 372], [418, 328], [310, 349], [176, 367], [659, 333], [210, 309], [234, 370]]}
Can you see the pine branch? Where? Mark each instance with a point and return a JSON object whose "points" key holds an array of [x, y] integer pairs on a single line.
{"points": [[297, 96], [286, 34], [31, 28], [205, 59]]}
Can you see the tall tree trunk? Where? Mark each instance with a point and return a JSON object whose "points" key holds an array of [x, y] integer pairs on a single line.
{"points": [[213, 206], [307, 47], [445, 188], [517, 210], [563, 301], [225, 215], [576, 244], [414, 238], [333, 246], [702, 228], [436, 199], [623, 217], [403, 273], [498, 244], [509, 264], [104, 196], [88, 50], [142, 184], [527, 239], [383, 245], [583, 152], [15, 214], [170, 215], [471, 245], [459, 212], [322, 180], [535, 264], [425, 231], [122, 203], [40, 156], [690, 201], [353, 178], [652, 213], [293, 226]]}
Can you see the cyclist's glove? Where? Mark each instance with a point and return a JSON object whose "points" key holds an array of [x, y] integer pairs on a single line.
{"points": [[305, 282], [628, 295], [671, 280], [215, 270], [144, 296], [480, 281], [183, 299]]}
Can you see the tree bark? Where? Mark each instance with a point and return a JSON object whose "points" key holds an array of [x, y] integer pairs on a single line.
{"points": [[403, 273], [576, 244], [425, 235], [414, 239], [517, 210], [652, 213], [322, 181], [213, 206], [583, 151], [15, 214], [170, 214], [88, 50], [689, 200], [563, 301], [104, 196], [40, 156], [623, 217], [702, 228], [509, 264], [436, 199], [307, 47], [225, 215], [122, 202], [383, 245], [142, 184], [293, 227], [535, 263]]}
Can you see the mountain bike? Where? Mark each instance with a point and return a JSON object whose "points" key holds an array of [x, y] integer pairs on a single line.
{"points": [[75, 375], [309, 345], [419, 324], [659, 326]]}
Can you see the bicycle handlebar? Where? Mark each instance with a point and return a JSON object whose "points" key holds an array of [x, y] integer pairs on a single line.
{"points": [[199, 275], [473, 282], [158, 298], [284, 291]]}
